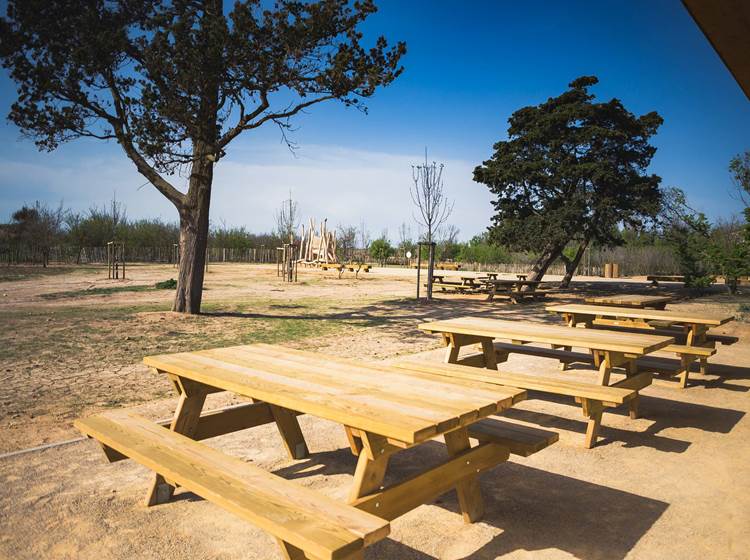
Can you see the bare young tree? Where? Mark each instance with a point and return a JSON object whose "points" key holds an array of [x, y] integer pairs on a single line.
{"points": [[432, 206], [364, 236], [287, 219], [346, 240], [404, 235], [429, 197]]}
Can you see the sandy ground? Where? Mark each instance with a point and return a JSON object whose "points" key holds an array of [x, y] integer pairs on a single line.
{"points": [[674, 483]]}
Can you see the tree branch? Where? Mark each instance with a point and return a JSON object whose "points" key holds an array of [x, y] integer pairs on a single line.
{"points": [[120, 128]]}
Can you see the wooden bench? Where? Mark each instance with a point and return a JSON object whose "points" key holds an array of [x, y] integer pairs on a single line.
{"points": [[520, 440], [338, 267], [656, 278], [686, 354], [306, 523], [593, 398], [679, 334]]}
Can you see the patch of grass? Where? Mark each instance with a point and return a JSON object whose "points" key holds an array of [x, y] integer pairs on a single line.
{"points": [[96, 292], [170, 284], [25, 272]]}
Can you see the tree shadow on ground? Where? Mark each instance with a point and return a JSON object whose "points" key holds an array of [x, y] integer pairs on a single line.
{"points": [[535, 509]]}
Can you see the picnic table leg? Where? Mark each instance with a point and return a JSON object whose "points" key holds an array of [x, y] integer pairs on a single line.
{"points": [[469, 493], [632, 369], [291, 434], [685, 363], [563, 365], [355, 442], [490, 358], [371, 465], [703, 365], [593, 411], [185, 422], [605, 367]]}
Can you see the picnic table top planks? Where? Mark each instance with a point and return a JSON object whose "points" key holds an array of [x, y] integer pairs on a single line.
{"points": [[483, 327], [676, 316], [629, 300], [375, 398]]}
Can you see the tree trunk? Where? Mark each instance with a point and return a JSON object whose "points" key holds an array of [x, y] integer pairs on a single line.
{"points": [[194, 238], [572, 265], [543, 263]]}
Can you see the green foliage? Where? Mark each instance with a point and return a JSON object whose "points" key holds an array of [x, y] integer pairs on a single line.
{"points": [[170, 284], [164, 78], [381, 249], [571, 170], [730, 251], [480, 250], [739, 168], [688, 232], [95, 292]]}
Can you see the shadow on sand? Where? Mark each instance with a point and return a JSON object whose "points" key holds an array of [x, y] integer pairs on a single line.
{"points": [[535, 509]]}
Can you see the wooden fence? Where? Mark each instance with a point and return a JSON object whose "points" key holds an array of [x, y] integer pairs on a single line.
{"points": [[633, 261]]}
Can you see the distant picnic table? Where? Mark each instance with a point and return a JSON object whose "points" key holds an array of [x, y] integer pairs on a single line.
{"points": [[608, 349], [630, 300], [513, 289], [691, 329], [656, 278], [384, 410]]}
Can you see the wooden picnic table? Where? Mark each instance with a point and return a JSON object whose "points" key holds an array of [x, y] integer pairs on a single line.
{"points": [[656, 278], [383, 409], [694, 343], [630, 300], [695, 325], [511, 288], [609, 349]]}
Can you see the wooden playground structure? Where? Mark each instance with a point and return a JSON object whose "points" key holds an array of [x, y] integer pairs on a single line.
{"points": [[318, 246]]}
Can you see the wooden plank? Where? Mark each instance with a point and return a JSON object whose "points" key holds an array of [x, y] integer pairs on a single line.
{"points": [[376, 399], [291, 434], [610, 395], [629, 300], [373, 375], [629, 343], [520, 440], [422, 488], [305, 397], [306, 519], [222, 421], [678, 316], [185, 422], [382, 381], [469, 493]]}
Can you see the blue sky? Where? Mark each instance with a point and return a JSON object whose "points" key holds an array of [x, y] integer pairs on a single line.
{"points": [[469, 66]]}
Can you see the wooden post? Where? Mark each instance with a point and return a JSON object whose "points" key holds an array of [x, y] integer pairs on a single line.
{"points": [[419, 266], [430, 269]]}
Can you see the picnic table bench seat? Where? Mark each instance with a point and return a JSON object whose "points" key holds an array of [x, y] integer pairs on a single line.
{"points": [[656, 278], [520, 440], [306, 523], [655, 364], [593, 398], [659, 328]]}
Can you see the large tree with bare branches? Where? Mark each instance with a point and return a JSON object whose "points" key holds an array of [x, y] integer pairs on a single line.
{"points": [[174, 82]]}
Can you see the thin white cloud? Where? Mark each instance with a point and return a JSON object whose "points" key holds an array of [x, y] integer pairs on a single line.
{"points": [[346, 186]]}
